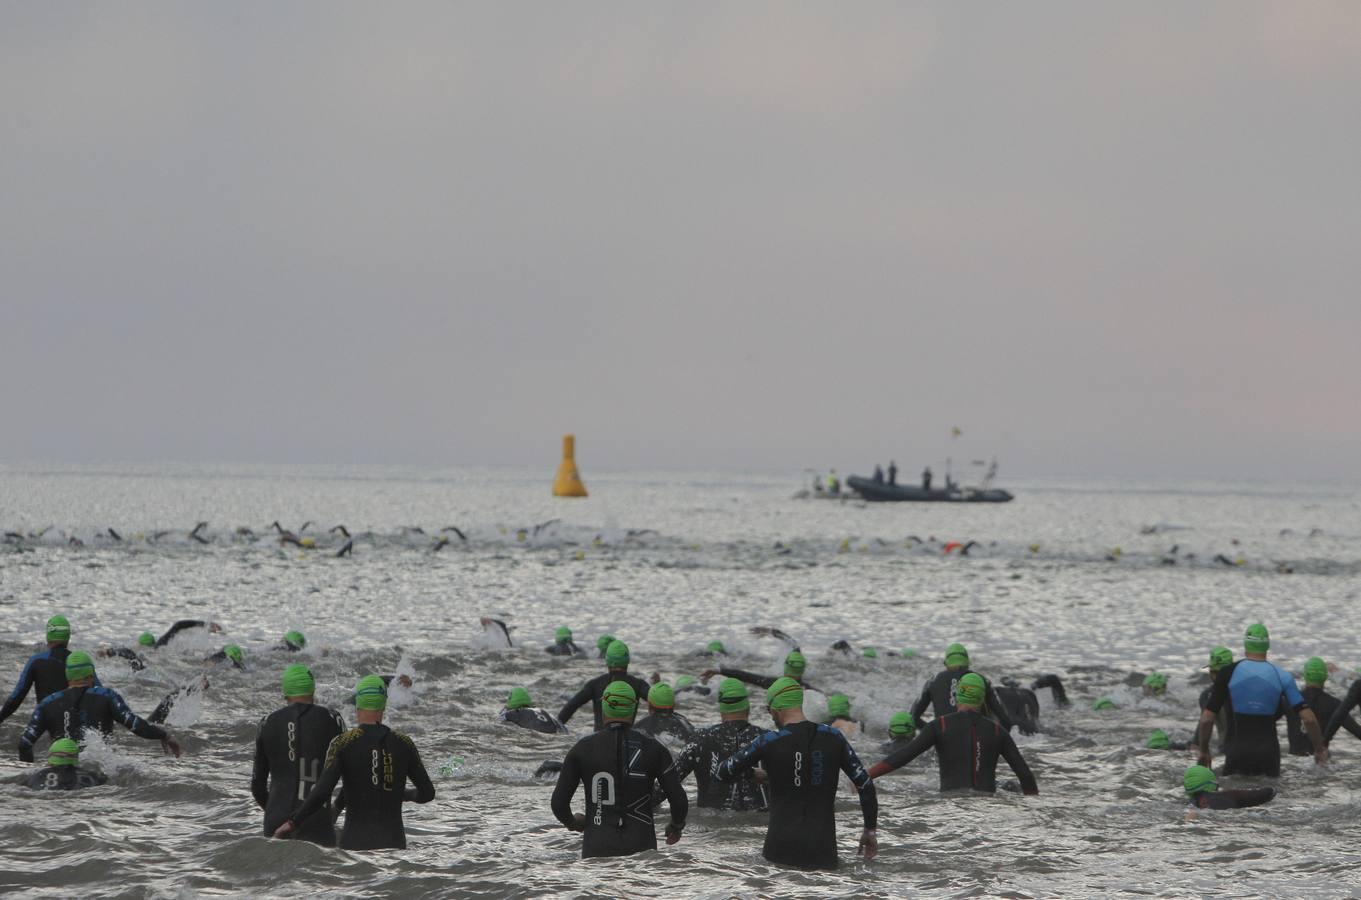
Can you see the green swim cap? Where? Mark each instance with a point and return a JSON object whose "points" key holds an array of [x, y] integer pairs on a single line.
{"points": [[371, 693], [298, 681], [661, 696], [146, 639], [684, 681], [1103, 703], [620, 700], [1315, 671], [908, 654], [1156, 682], [234, 653], [1256, 639], [732, 696], [785, 693], [518, 699], [63, 752], [1158, 740], [563, 634], [79, 665], [971, 689], [1199, 779], [617, 655], [295, 639], [1220, 657], [603, 642], [794, 664], [870, 653], [956, 656], [901, 725], [715, 647], [58, 629], [839, 706]]}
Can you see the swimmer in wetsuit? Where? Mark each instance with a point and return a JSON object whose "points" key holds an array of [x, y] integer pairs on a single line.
{"points": [[1202, 791], [520, 710], [84, 704], [1341, 715], [794, 666], [1021, 704], [185, 625], [618, 767], [230, 653], [1325, 707], [940, 692], [662, 718], [44, 672], [617, 665], [716, 743], [603, 642], [1256, 689], [1158, 740], [804, 762], [374, 763], [290, 748], [62, 772], [714, 648], [293, 642], [563, 645], [1155, 684], [1219, 658], [967, 744], [902, 728], [146, 641]]}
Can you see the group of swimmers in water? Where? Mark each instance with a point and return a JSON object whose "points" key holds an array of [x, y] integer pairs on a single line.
{"points": [[304, 751]]}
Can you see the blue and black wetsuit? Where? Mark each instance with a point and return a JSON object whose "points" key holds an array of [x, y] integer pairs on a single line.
{"points": [[44, 672], [939, 694], [804, 761], [68, 713], [594, 689], [1257, 689], [710, 747], [290, 750], [62, 778], [967, 746]]}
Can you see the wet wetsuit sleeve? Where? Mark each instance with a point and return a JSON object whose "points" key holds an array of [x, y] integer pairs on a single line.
{"points": [[580, 699], [321, 791], [925, 740], [1342, 715], [747, 757], [922, 703], [764, 681], [568, 779], [855, 771], [675, 794], [16, 696], [999, 711], [137, 726], [31, 734], [423, 790], [1055, 685], [688, 759], [259, 779], [1013, 756], [1219, 691], [1240, 798], [179, 626]]}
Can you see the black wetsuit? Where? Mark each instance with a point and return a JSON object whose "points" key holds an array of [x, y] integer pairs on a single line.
{"points": [[290, 749], [134, 659], [534, 719], [44, 672], [221, 657], [375, 763], [764, 681], [1223, 720], [564, 648], [709, 748], [181, 625], [804, 761], [939, 694], [1260, 692], [63, 778], [618, 767], [1324, 706], [1342, 714], [967, 746], [1233, 798], [1022, 706], [594, 689], [68, 713], [666, 724]]}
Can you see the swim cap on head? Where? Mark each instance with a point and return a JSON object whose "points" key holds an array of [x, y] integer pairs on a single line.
{"points": [[732, 696], [298, 681], [63, 752], [839, 706], [684, 681], [620, 700], [956, 656], [518, 699], [146, 639], [870, 653], [1155, 681], [58, 629], [1199, 779], [715, 647], [785, 693], [1103, 703], [295, 639], [603, 642], [661, 696], [1220, 657], [971, 689], [1158, 740], [79, 665], [617, 655], [1315, 671], [233, 653], [370, 693], [901, 724], [794, 664], [563, 634], [1256, 639]]}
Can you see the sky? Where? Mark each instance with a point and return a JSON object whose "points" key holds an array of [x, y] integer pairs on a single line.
{"points": [[1102, 239]]}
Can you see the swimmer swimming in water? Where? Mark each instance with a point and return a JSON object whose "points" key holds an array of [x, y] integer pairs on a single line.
{"points": [[520, 710], [62, 772]]}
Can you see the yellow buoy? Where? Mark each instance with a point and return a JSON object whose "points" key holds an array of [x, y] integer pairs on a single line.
{"points": [[568, 482]]}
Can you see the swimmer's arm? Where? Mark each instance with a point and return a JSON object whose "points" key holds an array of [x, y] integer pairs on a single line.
{"points": [[925, 740], [181, 625], [1203, 731], [1055, 685], [579, 699], [999, 712], [742, 760], [688, 759], [675, 796], [1341, 716], [259, 779], [569, 776], [1310, 723], [764, 681], [320, 793], [855, 771], [16, 696], [131, 722], [1018, 765], [424, 790], [35, 730]]}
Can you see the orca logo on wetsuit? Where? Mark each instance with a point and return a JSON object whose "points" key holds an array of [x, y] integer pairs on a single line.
{"points": [[798, 768], [292, 735], [602, 792], [375, 768]]}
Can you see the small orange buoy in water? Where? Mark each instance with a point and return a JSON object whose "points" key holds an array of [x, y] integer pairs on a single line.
{"points": [[568, 482]]}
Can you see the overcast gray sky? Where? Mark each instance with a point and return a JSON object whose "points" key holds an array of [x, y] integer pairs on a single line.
{"points": [[1101, 238]]}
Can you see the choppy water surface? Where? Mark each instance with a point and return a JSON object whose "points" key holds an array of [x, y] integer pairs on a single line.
{"points": [[1078, 579]]}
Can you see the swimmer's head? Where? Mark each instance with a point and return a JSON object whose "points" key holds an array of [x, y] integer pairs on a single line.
{"points": [[794, 665], [563, 634], [1199, 779], [1103, 703], [63, 752], [1155, 683], [58, 630], [234, 653], [970, 690], [146, 639], [617, 655], [297, 681], [870, 653], [603, 642], [1219, 658], [1158, 740], [732, 696], [839, 706], [79, 666], [785, 693], [1256, 639], [1315, 671], [901, 725], [518, 699], [371, 693], [907, 653], [956, 657], [715, 647], [295, 640], [620, 700], [661, 696], [684, 681]]}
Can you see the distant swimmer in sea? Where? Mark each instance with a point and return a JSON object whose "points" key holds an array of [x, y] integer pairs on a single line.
{"points": [[63, 772], [520, 710], [902, 728], [84, 704], [617, 669], [1155, 684], [662, 718], [804, 762], [185, 625], [1255, 689], [373, 764], [968, 745], [1325, 707], [712, 745], [1203, 792], [497, 631], [1158, 740], [602, 644], [230, 654], [563, 645], [290, 748], [714, 648], [146, 641], [839, 715], [794, 666], [940, 692], [1023, 706], [1219, 658], [293, 642], [44, 672], [618, 767]]}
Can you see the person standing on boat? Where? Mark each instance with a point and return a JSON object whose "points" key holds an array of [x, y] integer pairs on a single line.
{"points": [[878, 474], [892, 473], [926, 478], [833, 483]]}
